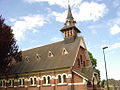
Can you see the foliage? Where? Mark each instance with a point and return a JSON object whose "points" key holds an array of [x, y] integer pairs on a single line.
{"points": [[103, 83], [93, 60], [8, 47]]}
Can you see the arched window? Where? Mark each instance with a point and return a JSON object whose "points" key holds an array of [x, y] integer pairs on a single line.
{"points": [[35, 80], [31, 79], [78, 63], [48, 78], [64, 78], [81, 59], [59, 79], [4, 83], [23, 81], [44, 80], [20, 82]]}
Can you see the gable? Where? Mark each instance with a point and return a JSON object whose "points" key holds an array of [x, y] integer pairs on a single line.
{"points": [[82, 43]]}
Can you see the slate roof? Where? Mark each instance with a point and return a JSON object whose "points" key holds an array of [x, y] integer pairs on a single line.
{"points": [[47, 63], [86, 72]]}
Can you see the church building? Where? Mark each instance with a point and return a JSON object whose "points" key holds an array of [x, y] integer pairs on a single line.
{"points": [[64, 65]]}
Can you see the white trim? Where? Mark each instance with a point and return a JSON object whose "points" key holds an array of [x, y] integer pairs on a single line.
{"points": [[62, 84], [26, 86], [76, 83], [52, 85], [38, 85]]}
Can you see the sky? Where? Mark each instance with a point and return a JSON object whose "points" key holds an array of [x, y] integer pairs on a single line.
{"points": [[38, 22]]}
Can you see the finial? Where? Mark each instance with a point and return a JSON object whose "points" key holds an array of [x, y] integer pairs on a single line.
{"points": [[68, 2]]}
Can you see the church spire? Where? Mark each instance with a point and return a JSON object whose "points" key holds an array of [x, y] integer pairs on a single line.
{"points": [[69, 20], [70, 31]]}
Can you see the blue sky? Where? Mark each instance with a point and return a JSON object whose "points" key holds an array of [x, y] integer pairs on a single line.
{"points": [[37, 22]]}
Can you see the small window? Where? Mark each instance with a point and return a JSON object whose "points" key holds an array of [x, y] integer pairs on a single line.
{"points": [[27, 59], [23, 81], [81, 59], [20, 82], [12, 83], [59, 79], [31, 79], [44, 80], [50, 54], [64, 51], [64, 78], [84, 63], [3, 83], [38, 57], [78, 63], [48, 79], [35, 80]]}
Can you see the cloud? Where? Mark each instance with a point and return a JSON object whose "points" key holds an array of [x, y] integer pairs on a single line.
{"points": [[62, 3], [85, 12], [56, 39], [114, 21], [115, 29], [27, 23], [114, 46]]}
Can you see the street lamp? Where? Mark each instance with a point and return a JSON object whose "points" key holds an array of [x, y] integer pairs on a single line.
{"points": [[105, 67]]}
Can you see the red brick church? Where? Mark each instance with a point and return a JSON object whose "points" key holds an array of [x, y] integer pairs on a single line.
{"points": [[64, 65]]}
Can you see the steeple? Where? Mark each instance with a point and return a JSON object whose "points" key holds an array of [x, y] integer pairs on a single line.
{"points": [[69, 20], [70, 30]]}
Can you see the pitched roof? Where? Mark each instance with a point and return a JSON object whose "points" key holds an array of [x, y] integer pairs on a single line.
{"points": [[47, 63], [86, 72]]}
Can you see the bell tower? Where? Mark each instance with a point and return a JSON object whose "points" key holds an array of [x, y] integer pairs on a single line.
{"points": [[69, 30]]}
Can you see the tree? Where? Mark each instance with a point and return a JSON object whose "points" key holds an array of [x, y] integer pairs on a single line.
{"points": [[94, 62], [8, 47]]}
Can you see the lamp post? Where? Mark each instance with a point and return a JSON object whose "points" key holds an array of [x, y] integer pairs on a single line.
{"points": [[105, 67]]}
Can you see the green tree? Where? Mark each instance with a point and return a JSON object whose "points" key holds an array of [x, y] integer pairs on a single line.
{"points": [[94, 62], [8, 47]]}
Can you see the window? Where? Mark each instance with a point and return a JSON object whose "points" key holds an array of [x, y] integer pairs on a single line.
{"points": [[59, 79], [44, 80], [35, 81], [50, 54], [11, 82], [38, 57], [84, 63], [21, 82], [3, 83], [48, 78], [31, 79], [78, 63], [64, 78], [64, 51], [81, 59], [27, 59]]}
